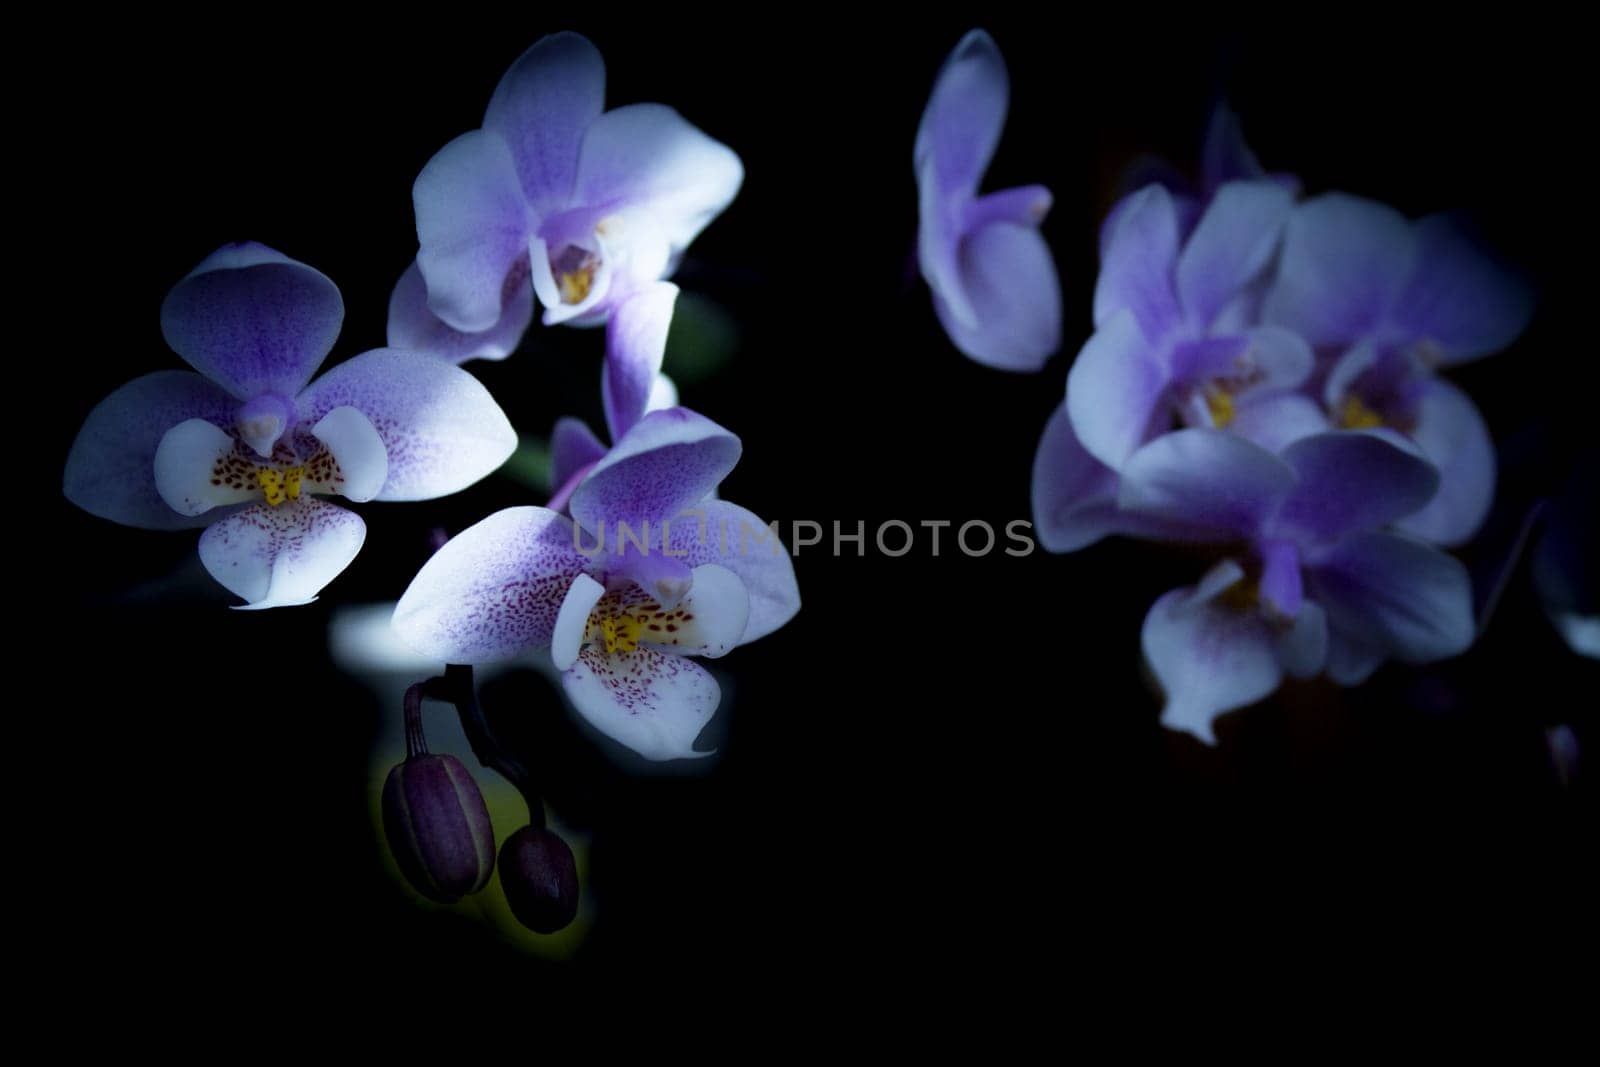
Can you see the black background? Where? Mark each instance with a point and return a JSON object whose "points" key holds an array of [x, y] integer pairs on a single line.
{"points": [[949, 761]]}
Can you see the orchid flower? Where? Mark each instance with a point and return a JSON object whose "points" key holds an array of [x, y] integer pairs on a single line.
{"points": [[1399, 299], [245, 447], [647, 572], [1314, 582], [994, 281], [554, 197], [1176, 343]]}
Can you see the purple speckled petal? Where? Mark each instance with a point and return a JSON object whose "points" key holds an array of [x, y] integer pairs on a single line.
{"points": [[653, 702], [1114, 390], [1231, 246], [473, 226], [1275, 422], [281, 556], [1216, 483], [709, 621], [1208, 656], [1136, 272], [414, 326], [1459, 297], [542, 107], [1410, 599], [636, 343], [718, 532], [1453, 436], [573, 446], [669, 461], [1344, 262], [966, 111], [440, 427], [1351, 481], [253, 320], [111, 467], [647, 155], [494, 590], [1009, 278]]}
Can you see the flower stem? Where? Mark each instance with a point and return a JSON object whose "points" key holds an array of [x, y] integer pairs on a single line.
{"points": [[456, 687]]}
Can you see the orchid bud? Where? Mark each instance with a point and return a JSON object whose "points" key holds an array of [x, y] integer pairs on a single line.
{"points": [[438, 827], [540, 879]]}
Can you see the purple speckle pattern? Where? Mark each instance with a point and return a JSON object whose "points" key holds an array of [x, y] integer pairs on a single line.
{"points": [[670, 460], [654, 702], [282, 555], [111, 467], [441, 428], [494, 590], [258, 328]]}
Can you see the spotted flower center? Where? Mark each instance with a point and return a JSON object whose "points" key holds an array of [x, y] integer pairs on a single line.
{"points": [[282, 478], [624, 618]]}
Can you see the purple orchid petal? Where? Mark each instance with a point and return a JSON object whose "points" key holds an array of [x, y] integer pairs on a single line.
{"points": [[646, 155], [1275, 422], [1279, 587], [1024, 205], [726, 534], [1453, 436], [1351, 660], [1208, 656], [573, 446], [1074, 494], [636, 343], [414, 326], [360, 458], [110, 469], [1115, 389], [1218, 485], [1303, 648], [668, 461], [1407, 598], [1233, 243], [1009, 277], [1344, 263], [966, 111], [664, 578], [1351, 481], [650, 701], [1459, 298], [253, 320], [281, 556], [494, 590], [441, 429], [1136, 272], [473, 226], [542, 106], [1347, 369]]}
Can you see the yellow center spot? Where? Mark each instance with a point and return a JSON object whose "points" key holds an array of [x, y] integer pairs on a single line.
{"points": [[620, 633], [575, 284], [280, 485], [1355, 415], [1242, 595], [1219, 402]]}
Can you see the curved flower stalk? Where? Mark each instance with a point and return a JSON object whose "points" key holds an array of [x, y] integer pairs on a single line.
{"points": [[994, 281], [1177, 341], [647, 572], [1313, 583], [1395, 300], [246, 447], [556, 197]]}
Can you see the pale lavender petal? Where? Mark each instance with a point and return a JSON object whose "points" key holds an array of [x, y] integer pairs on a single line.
{"points": [[1453, 436], [1346, 370], [1217, 484], [1410, 599], [715, 531], [573, 446], [636, 343], [414, 326], [1136, 273], [494, 590], [1345, 261], [253, 320], [111, 467], [360, 459], [1279, 586], [1231, 246], [653, 702], [939, 236], [572, 620], [1209, 658], [1303, 647], [542, 107], [1460, 298], [473, 226], [1275, 422], [669, 461], [966, 111], [281, 556], [1352, 660], [1024, 205], [1351, 481], [1115, 390], [441, 429], [647, 155], [1009, 276], [1074, 494]]}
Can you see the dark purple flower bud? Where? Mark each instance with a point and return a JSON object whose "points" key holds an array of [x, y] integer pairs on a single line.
{"points": [[438, 827], [540, 878]]}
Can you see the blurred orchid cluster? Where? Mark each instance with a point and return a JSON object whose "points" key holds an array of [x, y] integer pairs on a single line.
{"points": [[1264, 378]]}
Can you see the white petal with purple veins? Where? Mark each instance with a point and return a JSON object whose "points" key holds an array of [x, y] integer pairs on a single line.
{"points": [[284, 555], [197, 468], [357, 449], [653, 702], [709, 621]]}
